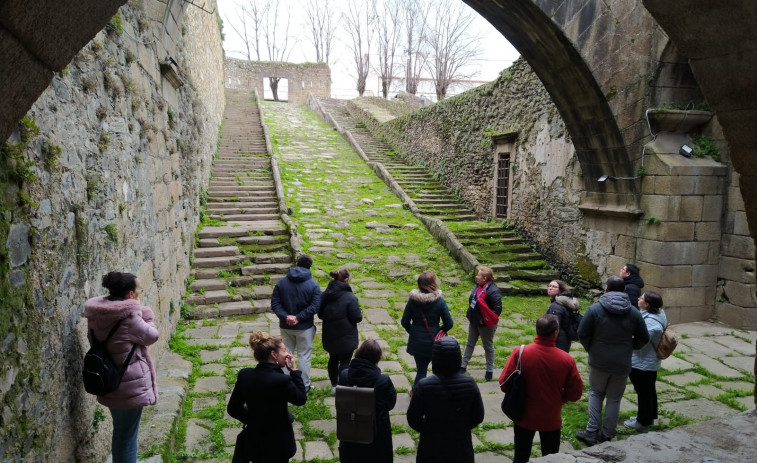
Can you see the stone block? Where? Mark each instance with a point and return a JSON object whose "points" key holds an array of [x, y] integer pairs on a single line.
{"points": [[664, 208], [669, 185], [686, 297], [737, 246], [668, 231], [160, 196], [705, 275], [740, 223], [709, 185], [735, 269], [738, 317], [625, 247], [712, 208], [660, 252], [677, 315], [740, 294], [691, 208], [666, 276], [735, 199], [614, 264], [707, 231]]}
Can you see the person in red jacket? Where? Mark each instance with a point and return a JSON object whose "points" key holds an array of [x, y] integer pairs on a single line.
{"points": [[551, 378]]}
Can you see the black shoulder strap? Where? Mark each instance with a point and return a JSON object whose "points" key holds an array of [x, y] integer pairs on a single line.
{"points": [[110, 334]]}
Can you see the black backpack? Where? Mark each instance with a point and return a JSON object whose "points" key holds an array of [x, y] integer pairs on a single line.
{"points": [[100, 374], [355, 414], [575, 318]]}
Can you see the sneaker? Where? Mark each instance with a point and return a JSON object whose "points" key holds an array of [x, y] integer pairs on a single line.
{"points": [[488, 375], [333, 390], [309, 388], [588, 438], [635, 425]]}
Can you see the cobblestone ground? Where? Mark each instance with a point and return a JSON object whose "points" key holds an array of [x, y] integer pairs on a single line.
{"points": [[348, 218]]}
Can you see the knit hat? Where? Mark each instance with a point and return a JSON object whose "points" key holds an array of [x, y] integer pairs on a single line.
{"points": [[446, 357]]}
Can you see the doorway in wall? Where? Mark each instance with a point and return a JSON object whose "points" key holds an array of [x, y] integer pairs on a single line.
{"points": [[282, 89], [503, 185]]}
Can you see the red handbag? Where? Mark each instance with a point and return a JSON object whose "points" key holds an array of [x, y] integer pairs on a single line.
{"points": [[439, 335], [487, 315]]}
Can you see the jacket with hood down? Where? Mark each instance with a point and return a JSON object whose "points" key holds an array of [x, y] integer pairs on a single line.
{"points": [[610, 330], [139, 386], [340, 313], [435, 309], [645, 359], [364, 373], [296, 294], [562, 306], [634, 283], [445, 407]]}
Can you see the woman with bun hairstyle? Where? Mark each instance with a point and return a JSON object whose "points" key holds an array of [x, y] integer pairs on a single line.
{"points": [[259, 400], [340, 313], [563, 302], [134, 331]]}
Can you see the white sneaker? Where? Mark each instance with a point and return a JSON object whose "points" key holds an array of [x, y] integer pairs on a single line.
{"points": [[632, 423], [333, 390]]}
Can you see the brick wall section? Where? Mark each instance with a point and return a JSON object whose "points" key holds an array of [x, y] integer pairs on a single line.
{"points": [[313, 78], [121, 194]]}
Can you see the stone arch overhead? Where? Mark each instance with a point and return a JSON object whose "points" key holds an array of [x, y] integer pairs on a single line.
{"points": [[592, 60]]}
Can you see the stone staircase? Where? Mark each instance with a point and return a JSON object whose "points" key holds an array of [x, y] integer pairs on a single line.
{"points": [[512, 259], [243, 248]]}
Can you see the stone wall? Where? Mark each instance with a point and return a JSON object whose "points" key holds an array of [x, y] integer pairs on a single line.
{"points": [[313, 78], [111, 181]]}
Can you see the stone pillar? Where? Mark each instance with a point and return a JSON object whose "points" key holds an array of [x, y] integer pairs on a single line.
{"points": [[678, 239]]}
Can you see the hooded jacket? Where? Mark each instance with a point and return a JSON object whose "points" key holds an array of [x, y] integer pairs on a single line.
{"points": [[364, 373], [340, 313], [634, 283], [296, 294], [445, 407], [562, 306], [493, 299], [646, 358], [139, 386], [610, 330], [434, 308]]}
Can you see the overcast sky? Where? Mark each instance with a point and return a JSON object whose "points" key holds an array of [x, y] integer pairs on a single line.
{"points": [[497, 53]]}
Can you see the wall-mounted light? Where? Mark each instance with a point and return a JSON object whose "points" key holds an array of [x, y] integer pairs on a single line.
{"points": [[170, 72], [686, 151], [605, 178]]}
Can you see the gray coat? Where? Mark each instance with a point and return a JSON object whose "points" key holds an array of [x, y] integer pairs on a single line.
{"points": [[610, 330], [646, 358]]}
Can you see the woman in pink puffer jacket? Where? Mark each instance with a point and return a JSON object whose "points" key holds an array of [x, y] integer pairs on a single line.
{"points": [[138, 386]]}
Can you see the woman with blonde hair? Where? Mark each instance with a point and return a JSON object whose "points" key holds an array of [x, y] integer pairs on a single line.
{"points": [[426, 313], [260, 401]]}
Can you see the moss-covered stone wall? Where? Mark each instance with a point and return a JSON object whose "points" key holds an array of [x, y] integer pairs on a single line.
{"points": [[104, 173], [454, 140]]}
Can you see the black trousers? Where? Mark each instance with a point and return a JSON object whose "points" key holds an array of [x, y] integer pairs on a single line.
{"points": [[524, 439], [646, 395], [337, 363]]}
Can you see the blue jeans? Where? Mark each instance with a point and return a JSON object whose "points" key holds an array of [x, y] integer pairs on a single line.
{"points": [[300, 341], [125, 430], [421, 367]]}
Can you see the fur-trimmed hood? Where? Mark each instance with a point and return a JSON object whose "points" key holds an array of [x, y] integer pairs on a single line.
{"points": [[425, 298], [568, 300], [104, 311]]}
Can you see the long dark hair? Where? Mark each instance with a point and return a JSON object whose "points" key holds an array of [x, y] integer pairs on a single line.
{"points": [[341, 274], [654, 300], [119, 284]]}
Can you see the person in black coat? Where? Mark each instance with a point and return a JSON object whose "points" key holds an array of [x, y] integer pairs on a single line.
{"points": [[485, 295], [445, 407], [633, 283], [563, 302], [340, 313], [424, 312], [363, 371], [259, 400]]}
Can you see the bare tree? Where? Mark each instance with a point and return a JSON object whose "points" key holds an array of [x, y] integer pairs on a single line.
{"points": [[451, 43], [388, 30], [279, 46], [252, 15], [415, 14], [359, 20], [321, 19]]}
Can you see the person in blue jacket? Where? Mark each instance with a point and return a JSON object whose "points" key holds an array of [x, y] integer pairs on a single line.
{"points": [[295, 300]]}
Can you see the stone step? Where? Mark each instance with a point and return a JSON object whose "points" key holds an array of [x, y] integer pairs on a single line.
{"points": [[228, 209], [230, 196], [270, 227], [219, 251], [476, 233], [251, 205], [228, 309], [244, 217]]}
